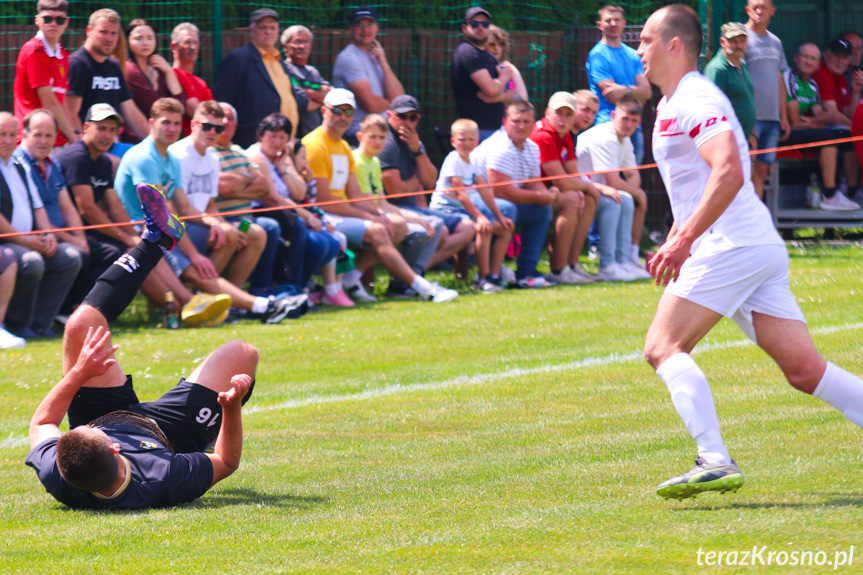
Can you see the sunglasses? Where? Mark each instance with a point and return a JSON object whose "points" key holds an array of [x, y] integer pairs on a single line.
{"points": [[340, 112], [410, 116], [206, 126], [60, 20], [478, 23]]}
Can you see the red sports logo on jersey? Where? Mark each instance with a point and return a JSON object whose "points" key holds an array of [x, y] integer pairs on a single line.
{"points": [[668, 127], [711, 122]]}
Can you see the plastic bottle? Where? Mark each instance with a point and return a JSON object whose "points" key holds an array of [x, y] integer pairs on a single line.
{"points": [[172, 311], [813, 192]]}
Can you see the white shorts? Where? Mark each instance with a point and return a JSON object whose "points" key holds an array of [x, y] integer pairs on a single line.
{"points": [[740, 281]]}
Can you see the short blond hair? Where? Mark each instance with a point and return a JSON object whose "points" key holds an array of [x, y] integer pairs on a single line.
{"points": [[582, 96], [166, 106], [373, 121], [464, 125], [111, 16]]}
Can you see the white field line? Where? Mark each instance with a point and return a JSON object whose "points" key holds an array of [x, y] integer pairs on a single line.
{"points": [[13, 441], [614, 358]]}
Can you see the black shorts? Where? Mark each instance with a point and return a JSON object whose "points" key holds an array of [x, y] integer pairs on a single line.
{"points": [[189, 414]]}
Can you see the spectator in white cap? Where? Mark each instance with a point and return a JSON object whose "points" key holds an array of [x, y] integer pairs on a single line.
{"points": [[366, 227]]}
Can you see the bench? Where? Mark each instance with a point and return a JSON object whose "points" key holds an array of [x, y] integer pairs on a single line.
{"points": [[786, 195]]}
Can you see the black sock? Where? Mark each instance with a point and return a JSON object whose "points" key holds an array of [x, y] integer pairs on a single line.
{"points": [[556, 271], [829, 192], [116, 288]]}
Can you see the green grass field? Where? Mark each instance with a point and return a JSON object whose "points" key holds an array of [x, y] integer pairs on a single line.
{"points": [[511, 433]]}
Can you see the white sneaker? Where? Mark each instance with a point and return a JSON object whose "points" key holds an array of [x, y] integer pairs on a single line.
{"points": [[635, 262], [579, 271], [507, 276], [613, 273], [838, 203], [439, 294], [568, 277], [9, 341], [635, 271], [358, 293]]}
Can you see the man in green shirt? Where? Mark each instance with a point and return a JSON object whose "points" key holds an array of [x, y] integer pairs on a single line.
{"points": [[728, 71]]}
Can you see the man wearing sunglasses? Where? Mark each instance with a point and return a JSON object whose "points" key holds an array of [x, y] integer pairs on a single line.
{"points": [[475, 71], [365, 226], [362, 68], [406, 168], [42, 71], [212, 235]]}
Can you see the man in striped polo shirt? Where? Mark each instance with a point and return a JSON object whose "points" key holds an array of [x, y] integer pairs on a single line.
{"points": [[240, 182], [509, 156]]}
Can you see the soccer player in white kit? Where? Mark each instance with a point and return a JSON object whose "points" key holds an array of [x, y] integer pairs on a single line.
{"points": [[722, 257]]}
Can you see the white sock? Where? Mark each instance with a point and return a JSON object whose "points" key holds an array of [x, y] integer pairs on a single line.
{"points": [[260, 305], [352, 277], [422, 285], [844, 391], [634, 253], [332, 289], [693, 400]]}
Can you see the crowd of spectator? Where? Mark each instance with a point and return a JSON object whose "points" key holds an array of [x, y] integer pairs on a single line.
{"points": [[814, 99], [274, 133]]}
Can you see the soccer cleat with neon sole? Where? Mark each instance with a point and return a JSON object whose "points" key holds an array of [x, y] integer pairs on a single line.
{"points": [[163, 227], [703, 477]]}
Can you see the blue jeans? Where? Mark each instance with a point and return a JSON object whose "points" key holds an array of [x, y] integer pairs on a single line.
{"points": [[768, 137], [615, 228], [637, 140], [533, 220], [262, 276], [321, 247]]}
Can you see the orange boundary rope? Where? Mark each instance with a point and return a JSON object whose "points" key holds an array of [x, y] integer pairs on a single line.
{"points": [[419, 193]]}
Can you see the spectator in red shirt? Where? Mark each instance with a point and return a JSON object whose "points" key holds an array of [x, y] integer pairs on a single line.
{"points": [[556, 152], [186, 46], [839, 99], [42, 71]]}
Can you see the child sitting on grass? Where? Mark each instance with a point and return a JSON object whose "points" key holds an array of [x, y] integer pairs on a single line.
{"points": [[492, 217]]}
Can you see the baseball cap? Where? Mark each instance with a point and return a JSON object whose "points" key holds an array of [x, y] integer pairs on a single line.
{"points": [[99, 112], [340, 97], [358, 14], [263, 13], [405, 103], [840, 46], [471, 13], [733, 30], [560, 100]]}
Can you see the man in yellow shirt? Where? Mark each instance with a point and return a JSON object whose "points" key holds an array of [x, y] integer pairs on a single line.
{"points": [[363, 223]]}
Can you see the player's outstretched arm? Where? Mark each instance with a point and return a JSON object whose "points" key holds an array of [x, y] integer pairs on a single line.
{"points": [[229, 446], [97, 355]]}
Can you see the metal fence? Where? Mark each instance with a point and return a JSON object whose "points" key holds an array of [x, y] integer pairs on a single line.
{"points": [[550, 41]]}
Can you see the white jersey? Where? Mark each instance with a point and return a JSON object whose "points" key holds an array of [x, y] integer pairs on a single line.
{"points": [[200, 173], [695, 113], [454, 165], [599, 149]]}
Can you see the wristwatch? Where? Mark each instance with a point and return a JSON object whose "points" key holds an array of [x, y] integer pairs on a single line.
{"points": [[421, 151]]}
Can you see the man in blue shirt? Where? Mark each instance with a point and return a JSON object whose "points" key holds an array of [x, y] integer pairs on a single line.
{"points": [[121, 453], [614, 70], [151, 162]]}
